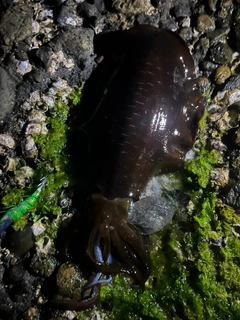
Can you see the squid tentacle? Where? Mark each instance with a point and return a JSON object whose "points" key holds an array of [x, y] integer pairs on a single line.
{"points": [[78, 305], [131, 235]]}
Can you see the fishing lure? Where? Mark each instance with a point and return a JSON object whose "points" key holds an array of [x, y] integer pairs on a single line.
{"points": [[16, 212]]}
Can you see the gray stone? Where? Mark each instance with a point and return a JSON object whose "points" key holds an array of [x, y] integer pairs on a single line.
{"points": [[220, 53], [16, 24], [7, 93]]}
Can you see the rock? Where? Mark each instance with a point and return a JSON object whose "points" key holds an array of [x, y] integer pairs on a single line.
{"points": [[75, 42], [43, 264], [205, 24], [132, 7], [220, 53], [182, 10], [186, 33], [7, 93], [70, 280], [201, 49], [222, 74], [233, 83], [15, 24]]}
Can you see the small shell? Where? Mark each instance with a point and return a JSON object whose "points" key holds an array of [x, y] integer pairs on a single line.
{"points": [[24, 67], [11, 164], [7, 141], [37, 116], [22, 174], [48, 100], [29, 148], [33, 128], [44, 129], [35, 96]]}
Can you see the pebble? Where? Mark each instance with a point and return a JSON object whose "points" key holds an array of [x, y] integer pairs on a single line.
{"points": [[43, 264], [70, 280], [222, 74], [205, 24], [221, 53]]}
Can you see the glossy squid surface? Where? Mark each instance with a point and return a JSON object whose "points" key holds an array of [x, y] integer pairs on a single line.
{"points": [[144, 126]]}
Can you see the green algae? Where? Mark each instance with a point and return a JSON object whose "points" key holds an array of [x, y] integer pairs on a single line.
{"points": [[54, 165], [195, 272], [202, 165]]}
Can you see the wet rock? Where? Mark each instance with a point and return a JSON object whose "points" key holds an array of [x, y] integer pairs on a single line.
{"points": [[222, 74], [182, 10], [23, 296], [6, 304], [76, 43], [22, 51], [169, 24], [232, 197], [19, 242], [42, 57], [7, 93], [204, 84], [146, 19], [15, 24], [221, 53], [43, 264], [67, 15], [70, 280], [186, 33], [99, 4], [87, 11], [162, 204], [201, 49], [209, 65], [17, 273], [205, 24], [132, 7], [233, 83], [218, 35]]}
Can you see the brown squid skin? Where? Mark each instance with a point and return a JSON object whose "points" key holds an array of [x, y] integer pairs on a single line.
{"points": [[144, 126]]}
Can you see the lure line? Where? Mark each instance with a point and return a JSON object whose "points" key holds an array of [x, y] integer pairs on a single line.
{"points": [[16, 212]]}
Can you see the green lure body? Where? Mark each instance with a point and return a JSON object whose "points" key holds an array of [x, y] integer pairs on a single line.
{"points": [[16, 212]]}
